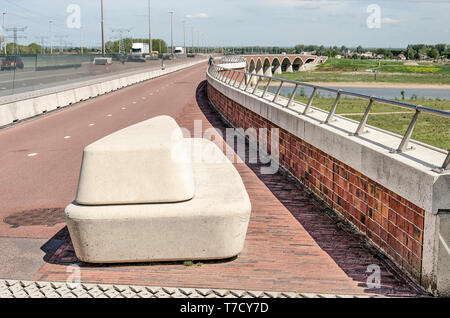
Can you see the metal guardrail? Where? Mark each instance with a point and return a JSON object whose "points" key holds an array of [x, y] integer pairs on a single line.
{"points": [[232, 59], [227, 76]]}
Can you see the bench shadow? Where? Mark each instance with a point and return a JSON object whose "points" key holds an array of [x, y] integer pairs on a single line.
{"points": [[59, 251]]}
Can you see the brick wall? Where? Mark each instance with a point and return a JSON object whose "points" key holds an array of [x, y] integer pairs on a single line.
{"points": [[392, 223]]}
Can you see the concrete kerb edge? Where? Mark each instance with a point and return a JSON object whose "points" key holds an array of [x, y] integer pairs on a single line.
{"points": [[21, 110]]}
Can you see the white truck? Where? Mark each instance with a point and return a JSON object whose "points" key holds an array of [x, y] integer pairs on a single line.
{"points": [[139, 51], [178, 50]]}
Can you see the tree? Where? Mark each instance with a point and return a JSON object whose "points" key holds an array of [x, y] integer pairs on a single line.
{"points": [[433, 53], [411, 53], [359, 49]]}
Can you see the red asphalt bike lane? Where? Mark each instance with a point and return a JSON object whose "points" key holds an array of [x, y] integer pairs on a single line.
{"points": [[40, 159]]}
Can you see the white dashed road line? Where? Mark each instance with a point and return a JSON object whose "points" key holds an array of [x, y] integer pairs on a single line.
{"points": [[32, 154]]}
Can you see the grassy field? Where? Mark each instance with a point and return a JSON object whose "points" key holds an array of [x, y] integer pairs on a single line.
{"points": [[343, 70], [430, 129]]}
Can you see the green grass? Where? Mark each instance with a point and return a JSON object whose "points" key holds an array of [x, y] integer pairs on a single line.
{"points": [[407, 78], [430, 129], [350, 65], [343, 70]]}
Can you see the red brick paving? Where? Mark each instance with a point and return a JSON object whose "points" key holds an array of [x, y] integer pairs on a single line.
{"points": [[292, 244]]}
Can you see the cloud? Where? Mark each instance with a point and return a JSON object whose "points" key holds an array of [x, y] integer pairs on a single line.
{"points": [[309, 4], [389, 21], [200, 15]]}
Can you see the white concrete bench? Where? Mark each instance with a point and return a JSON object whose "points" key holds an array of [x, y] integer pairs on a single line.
{"points": [[210, 225]]}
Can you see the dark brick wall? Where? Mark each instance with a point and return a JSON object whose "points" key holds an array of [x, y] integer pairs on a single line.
{"points": [[392, 223]]}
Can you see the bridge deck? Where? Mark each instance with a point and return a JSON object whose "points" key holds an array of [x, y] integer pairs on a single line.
{"points": [[292, 244]]}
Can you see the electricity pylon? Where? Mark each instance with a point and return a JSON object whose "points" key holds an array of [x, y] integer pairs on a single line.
{"points": [[15, 30], [121, 44]]}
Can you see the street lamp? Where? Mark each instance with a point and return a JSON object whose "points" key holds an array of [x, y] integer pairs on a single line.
{"points": [[150, 44], [171, 31], [103, 30], [184, 29], [51, 36], [4, 31]]}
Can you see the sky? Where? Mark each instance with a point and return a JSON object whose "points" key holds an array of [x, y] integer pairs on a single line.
{"points": [[285, 23]]}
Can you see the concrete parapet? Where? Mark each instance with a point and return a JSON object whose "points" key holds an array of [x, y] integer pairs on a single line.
{"points": [[396, 199], [30, 104]]}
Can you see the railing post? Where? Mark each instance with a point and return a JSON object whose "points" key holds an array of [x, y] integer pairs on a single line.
{"points": [[249, 81], [278, 92], [243, 81], [231, 77], [292, 96], [363, 121], [405, 141], [333, 109], [236, 81], [446, 164], [267, 87], [308, 106], [256, 86]]}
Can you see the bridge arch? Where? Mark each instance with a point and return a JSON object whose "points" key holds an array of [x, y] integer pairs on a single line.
{"points": [[259, 67], [252, 66], [286, 65], [267, 67], [276, 66], [297, 64]]}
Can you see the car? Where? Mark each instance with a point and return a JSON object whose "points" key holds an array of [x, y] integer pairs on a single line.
{"points": [[11, 63]]}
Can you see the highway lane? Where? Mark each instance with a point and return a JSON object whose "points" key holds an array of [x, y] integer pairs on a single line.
{"points": [[40, 159], [25, 80]]}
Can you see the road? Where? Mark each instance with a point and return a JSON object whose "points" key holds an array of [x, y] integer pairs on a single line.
{"points": [[28, 79]]}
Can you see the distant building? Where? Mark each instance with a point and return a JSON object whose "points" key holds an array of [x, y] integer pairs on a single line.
{"points": [[401, 57], [367, 54]]}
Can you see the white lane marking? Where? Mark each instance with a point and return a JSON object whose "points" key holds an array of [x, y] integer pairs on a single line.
{"points": [[109, 115], [67, 137], [91, 124], [143, 97], [123, 108], [32, 154], [134, 102]]}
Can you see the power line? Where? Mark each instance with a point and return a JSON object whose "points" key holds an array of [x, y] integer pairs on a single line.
{"points": [[15, 30]]}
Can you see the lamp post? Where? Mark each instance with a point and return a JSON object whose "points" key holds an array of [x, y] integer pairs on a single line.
{"points": [[184, 29], [51, 36], [103, 30], [150, 44], [4, 32], [171, 31]]}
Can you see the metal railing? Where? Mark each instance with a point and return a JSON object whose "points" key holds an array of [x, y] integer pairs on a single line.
{"points": [[231, 77], [232, 59]]}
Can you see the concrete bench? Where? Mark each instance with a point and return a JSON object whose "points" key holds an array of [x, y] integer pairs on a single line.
{"points": [[212, 224]]}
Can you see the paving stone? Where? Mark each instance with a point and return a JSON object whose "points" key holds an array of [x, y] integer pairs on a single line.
{"points": [[203, 291], [104, 287], [255, 294], [137, 289], [144, 294], [221, 292], [120, 288], [238, 293], [153, 290], [111, 293], [187, 291]]}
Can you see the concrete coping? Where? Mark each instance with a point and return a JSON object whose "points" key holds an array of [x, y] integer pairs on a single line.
{"points": [[410, 174], [143, 163]]}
